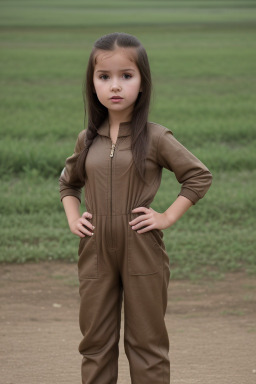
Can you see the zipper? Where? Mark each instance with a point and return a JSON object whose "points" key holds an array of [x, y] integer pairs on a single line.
{"points": [[111, 190], [112, 150]]}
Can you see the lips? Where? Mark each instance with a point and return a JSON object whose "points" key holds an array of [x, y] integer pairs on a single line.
{"points": [[116, 98]]}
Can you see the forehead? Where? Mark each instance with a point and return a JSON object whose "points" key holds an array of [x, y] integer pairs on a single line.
{"points": [[118, 57]]}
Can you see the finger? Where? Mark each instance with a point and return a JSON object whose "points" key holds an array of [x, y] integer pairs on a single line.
{"points": [[87, 224], [139, 219], [142, 224], [78, 233], [84, 231], [140, 209], [88, 233], [87, 215], [146, 229], [82, 235]]}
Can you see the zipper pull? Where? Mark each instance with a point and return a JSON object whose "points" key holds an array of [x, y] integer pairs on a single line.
{"points": [[112, 150]]}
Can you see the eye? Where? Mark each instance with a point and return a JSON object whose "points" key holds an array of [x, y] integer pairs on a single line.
{"points": [[103, 77], [127, 76]]}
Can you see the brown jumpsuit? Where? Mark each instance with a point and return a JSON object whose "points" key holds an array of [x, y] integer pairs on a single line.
{"points": [[117, 263]]}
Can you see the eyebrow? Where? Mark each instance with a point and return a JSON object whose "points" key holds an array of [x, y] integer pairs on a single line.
{"points": [[121, 70]]}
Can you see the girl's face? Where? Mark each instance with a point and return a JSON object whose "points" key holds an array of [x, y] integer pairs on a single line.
{"points": [[117, 81]]}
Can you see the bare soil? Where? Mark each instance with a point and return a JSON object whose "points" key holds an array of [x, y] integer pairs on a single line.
{"points": [[211, 324]]}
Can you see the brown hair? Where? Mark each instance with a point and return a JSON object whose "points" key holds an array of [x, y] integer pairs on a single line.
{"points": [[97, 113]]}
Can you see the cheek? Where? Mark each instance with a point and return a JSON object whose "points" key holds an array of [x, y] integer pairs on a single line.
{"points": [[137, 85], [95, 83], [136, 89], [98, 87]]}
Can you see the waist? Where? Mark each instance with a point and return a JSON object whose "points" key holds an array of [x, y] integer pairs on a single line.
{"points": [[96, 213]]}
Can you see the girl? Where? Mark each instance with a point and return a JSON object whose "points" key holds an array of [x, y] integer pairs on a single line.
{"points": [[119, 160]]}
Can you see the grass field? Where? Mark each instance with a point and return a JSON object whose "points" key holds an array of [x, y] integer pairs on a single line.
{"points": [[202, 55]]}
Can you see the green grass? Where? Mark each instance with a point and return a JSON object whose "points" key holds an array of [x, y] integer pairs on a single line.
{"points": [[202, 56], [115, 13]]}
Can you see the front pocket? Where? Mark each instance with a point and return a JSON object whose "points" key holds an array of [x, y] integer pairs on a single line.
{"points": [[88, 258], [145, 252]]}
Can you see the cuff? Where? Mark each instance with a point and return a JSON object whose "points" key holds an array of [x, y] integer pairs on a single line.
{"points": [[189, 194], [70, 192]]}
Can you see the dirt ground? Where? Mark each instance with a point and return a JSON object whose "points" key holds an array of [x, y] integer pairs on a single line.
{"points": [[211, 324]]}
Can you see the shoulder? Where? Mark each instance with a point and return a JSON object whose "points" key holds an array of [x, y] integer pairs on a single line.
{"points": [[81, 139], [81, 135], [156, 131]]}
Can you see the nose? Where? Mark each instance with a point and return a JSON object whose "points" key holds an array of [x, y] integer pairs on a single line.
{"points": [[115, 86]]}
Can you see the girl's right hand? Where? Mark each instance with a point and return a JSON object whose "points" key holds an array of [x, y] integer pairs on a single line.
{"points": [[81, 226]]}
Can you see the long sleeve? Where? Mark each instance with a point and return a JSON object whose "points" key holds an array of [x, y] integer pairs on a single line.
{"points": [[69, 182], [188, 169]]}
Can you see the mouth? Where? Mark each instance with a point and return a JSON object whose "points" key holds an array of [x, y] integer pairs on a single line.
{"points": [[116, 99]]}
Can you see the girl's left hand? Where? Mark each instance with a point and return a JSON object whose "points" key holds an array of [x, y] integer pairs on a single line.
{"points": [[150, 220]]}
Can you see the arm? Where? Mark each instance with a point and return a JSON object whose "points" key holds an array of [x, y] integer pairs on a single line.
{"points": [[69, 182], [70, 193], [154, 220], [79, 225], [191, 173]]}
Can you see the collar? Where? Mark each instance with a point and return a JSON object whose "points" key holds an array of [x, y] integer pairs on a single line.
{"points": [[124, 129]]}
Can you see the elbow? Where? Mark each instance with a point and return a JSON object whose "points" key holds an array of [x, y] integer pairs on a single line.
{"points": [[209, 177], [196, 188], [206, 182]]}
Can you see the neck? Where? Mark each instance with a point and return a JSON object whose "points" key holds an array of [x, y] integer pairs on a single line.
{"points": [[116, 119]]}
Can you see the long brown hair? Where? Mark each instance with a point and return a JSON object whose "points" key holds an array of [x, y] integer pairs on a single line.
{"points": [[97, 113]]}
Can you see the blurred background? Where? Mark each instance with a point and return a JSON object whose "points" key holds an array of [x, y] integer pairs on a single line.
{"points": [[202, 56]]}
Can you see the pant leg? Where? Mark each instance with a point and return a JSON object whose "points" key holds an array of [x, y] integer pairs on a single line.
{"points": [[146, 277], [100, 311], [100, 314]]}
